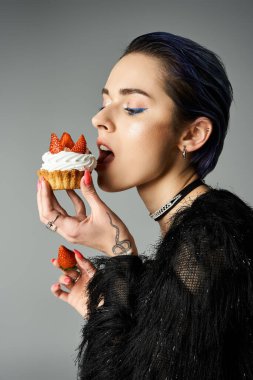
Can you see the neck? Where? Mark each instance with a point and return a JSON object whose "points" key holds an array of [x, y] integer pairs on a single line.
{"points": [[162, 189]]}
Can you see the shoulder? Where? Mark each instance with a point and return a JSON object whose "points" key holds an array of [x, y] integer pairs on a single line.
{"points": [[210, 242], [222, 202], [216, 209], [218, 224]]}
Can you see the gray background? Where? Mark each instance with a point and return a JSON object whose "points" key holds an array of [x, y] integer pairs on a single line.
{"points": [[55, 58]]}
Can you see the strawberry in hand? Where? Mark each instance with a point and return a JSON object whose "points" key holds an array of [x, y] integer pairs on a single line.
{"points": [[66, 258]]}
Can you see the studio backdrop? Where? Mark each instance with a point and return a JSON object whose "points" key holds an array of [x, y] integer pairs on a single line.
{"points": [[55, 59]]}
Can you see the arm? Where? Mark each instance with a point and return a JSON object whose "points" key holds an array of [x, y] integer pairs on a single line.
{"points": [[109, 322]]}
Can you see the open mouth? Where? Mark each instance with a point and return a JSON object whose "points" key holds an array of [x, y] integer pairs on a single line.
{"points": [[105, 155]]}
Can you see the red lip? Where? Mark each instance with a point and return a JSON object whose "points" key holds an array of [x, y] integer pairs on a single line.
{"points": [[100, 142], [104, 156]]}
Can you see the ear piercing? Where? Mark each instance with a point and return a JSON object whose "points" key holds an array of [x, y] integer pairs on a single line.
{"points": [[184, 152]]}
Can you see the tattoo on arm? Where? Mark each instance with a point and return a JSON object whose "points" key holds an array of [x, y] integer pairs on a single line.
{"points": [[121, 247]]}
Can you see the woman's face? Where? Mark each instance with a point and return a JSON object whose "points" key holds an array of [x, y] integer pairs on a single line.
{"points": [[136, 124]]}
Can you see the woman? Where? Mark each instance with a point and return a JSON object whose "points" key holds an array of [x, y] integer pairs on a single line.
{"points": [[185, 312]]}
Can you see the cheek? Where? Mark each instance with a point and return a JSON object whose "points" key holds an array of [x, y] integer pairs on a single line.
{"points": [[150, 142], [149, 152], [146, 151]]}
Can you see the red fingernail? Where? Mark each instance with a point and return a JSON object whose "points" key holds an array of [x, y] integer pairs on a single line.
{"points": [[78, 254], [67, 280], [52, 260], [87, 178]]}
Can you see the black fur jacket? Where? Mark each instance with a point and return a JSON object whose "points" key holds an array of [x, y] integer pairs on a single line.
{"points": [[186, 311]]}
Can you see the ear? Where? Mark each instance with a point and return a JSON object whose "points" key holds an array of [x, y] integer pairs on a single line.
{"points": [[195, 134]]}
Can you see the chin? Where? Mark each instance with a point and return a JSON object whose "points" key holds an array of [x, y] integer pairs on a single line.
{"points": [[110, 186]]}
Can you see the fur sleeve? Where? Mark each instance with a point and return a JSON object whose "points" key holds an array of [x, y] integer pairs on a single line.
{"points": [[116, 284]]}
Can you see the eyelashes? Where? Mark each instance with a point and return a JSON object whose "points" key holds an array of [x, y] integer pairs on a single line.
{"points": [[134, 111], [130, 111]]}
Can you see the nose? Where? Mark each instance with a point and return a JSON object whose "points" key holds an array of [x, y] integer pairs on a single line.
{"points": [[102, 120]]}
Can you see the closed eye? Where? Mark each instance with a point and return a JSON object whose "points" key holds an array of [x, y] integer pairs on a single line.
{"points": [[130, 111], [134, 111]]}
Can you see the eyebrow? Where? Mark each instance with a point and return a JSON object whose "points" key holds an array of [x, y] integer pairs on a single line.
{"points": [[128, 91]]}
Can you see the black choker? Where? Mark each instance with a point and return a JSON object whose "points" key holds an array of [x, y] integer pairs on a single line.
{"points": [[177, 198]]}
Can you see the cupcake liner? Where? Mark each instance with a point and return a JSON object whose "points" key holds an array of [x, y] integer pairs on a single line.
{"points": [[62, 179]]}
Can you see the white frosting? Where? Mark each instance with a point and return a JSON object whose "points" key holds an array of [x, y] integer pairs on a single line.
{"points": [[65, 160]]}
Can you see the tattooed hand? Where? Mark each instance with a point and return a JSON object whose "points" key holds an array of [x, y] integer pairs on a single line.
{"points": [[102, 230]]}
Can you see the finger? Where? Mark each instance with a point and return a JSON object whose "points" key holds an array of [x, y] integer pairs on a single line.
{"points": [[84, 264], [46, 196], [48, 212], [39, 204], [78, 203], [73, 274], [89, 191], [59, 293], [49, 202], [55, 263], [57, 205], [65, 225], [54, 200], [66, 281]]}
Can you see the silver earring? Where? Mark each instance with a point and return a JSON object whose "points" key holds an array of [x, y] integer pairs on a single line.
{"points": [[184, 152]]}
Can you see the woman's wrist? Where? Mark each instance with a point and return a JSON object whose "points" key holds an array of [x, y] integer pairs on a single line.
{"points": [[129, 252], [122, 249]]}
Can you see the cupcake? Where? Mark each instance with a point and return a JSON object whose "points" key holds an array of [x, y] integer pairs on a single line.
{"points": [[64, 164]]}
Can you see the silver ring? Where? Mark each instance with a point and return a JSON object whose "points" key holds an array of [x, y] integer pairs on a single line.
{"points": [[77, 277], [51, 226], [90, 271]]}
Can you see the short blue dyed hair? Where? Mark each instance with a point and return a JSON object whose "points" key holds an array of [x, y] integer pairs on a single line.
{"points": [[196, 80]]}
